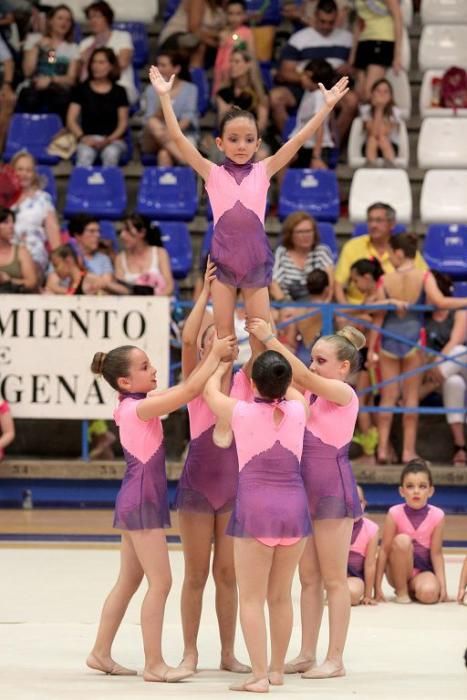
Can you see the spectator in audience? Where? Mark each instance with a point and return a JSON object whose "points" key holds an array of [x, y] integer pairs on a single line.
{"points": [[446, 332], [50, 64], [144, 264], [381, 219], [398, 355], [68, 268], [235, 35], [381, 119], [17, 269], [100, 17], [7, 94], [36, 222], [320, 40], [377, 42], [156, 138], [98, 113], [195, 25], [316, 152], [299, 253], [7, 427], [302, 13], [244, 89]]}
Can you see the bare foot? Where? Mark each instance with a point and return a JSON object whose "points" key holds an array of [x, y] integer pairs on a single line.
{"points": [[189, 661], [156, 674], [174, 675], [329, 669], [222, 434], [276, 677], [108, 665], [252, 685], [299, 665], [230, 663]]}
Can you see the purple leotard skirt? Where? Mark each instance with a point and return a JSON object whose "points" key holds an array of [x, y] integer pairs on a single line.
{"points": [[209, 480], [142, 502], [329, 480], [271, 499], [356, 565]]}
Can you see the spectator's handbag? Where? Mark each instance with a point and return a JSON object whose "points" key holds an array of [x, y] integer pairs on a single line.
{"points": [[63, 144]]}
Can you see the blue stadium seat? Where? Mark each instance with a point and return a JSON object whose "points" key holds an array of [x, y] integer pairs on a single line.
{"points": [[445, 249], [170, 7], [97, 191], [48, 181], [200, 79], [109, 233], [313, 191], [33, 133], [272, 13], [460, 289], [206, 244], [361, 229], [140, 39], [289, 126], [168, 193], [328, 237], [266, 75], [177, 242]]}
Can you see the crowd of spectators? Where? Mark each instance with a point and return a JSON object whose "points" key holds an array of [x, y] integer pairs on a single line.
{"points": [[92, 84]]}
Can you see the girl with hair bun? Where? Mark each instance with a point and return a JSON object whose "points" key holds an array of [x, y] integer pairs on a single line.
{"points": [[397, 353], [141, 509], [331, 489]]}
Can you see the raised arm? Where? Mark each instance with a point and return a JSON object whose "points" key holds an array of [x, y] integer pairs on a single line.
{"points": [[194, 323], [331, 389], [191, 154], [438, 299], [285, 154], [7, 434], [170, 400], [220, 404]]}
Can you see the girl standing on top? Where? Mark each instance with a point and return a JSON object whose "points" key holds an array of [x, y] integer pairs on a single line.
{"points": [[141, 509]]}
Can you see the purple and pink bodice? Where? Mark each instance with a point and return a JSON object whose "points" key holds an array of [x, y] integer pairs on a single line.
{"points": [[419, 524], [364, 530]]}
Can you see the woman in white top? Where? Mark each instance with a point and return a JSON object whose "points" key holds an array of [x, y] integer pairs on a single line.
{"points": [[36, 222], [143, 262], [100, 17]]}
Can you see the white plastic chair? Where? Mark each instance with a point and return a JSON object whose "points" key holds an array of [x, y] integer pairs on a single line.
{"points": [[357, 138], [444, 12], [443, 197], [442, 143], [125, 11], [402, 92], [426, 110], [373, 185], [442, 46]]}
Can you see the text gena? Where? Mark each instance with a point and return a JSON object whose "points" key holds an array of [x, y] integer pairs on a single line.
{"points": [[71, 324], [48, 389]]}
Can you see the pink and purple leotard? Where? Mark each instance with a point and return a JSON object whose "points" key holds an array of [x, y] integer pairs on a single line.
{"points": [[142, 502], [363, 532], [271, 503], [209, 480], [326, 469], [419, 524], [240, 246]]}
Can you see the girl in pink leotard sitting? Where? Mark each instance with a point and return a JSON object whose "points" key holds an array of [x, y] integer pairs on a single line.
{"points": [[411, 553], [270, 519], [361, 567], [237, 192]]}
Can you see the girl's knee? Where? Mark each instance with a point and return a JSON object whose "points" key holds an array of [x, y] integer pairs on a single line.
{"points": [[196, 580], [402, 543], [224, 575], [427, 593]]}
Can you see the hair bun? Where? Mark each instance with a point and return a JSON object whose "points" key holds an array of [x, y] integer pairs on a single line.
{"points": [[97, 364], [354, 336]]}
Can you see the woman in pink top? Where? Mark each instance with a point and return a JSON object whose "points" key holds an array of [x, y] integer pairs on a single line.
{"points": [[236, 34], [205, 498], [141, 510], [270, 519], [411, 553], [361, 567], [331, 489]]}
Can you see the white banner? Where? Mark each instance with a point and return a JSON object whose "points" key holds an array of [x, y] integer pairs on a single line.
{"points": [[47, 344]]}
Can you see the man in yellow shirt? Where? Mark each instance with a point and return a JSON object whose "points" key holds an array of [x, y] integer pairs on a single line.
{"points": [[381, 219]]}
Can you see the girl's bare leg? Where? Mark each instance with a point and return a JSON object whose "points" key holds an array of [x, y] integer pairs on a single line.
{"points": [[224, 299], [116, 603], [196, 532], [311, 608], [257, 306], [400, 566], [356, 588], [253, 562], [332, 541], [425, 587], [390, 367], [226, 595], [410, 395], [151, 549], [387, 149], [281, 576]]}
